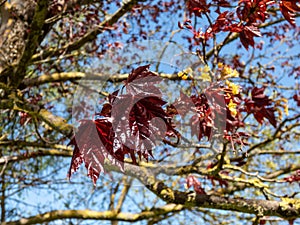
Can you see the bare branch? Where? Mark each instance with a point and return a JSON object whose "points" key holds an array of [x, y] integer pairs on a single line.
{"points": [[95, 215], [288, 208], [52, 120], [31, 155], [69, 76]]}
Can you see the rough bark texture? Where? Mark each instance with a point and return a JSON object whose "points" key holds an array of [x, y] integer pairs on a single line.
{"points": [[16, 18]]}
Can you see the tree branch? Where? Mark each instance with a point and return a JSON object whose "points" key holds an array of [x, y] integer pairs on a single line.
{"points": [[288, 208], [95, 215], [124, 192], [32, 41], [234, 36], [91, 35], [31, 155], [69, 76], [56, 122]]}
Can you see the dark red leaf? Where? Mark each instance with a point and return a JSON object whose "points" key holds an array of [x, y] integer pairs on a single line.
{"points": [[288, 9], [197, 7], [94, 142], [293, 178], [142, 82], [180, 26], [214, 178], [221, 23], [139, 118], [297, 99], [269, 114], [24, 118], [261, 106], [106, 110], [140, 122], [191, 181], [253, 30], [222, 3], [251, 11], [142, 72], [207, 111], [247, 35]]}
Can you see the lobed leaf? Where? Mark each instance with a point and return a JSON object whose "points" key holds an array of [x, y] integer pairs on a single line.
{"points": [[288, 9]]}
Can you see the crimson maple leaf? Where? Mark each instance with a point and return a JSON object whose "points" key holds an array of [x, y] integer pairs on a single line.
{"points": [[94, 142], [139, 118], [208, 111], [247, 35], [139, 122], [197, 7], [260, 106], [130, 123], [252, 10], [288, 9]]}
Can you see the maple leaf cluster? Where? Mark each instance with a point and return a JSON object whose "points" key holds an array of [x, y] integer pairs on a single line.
{"points": [[206, 113], [289, 9], [260, 106], [136, 118], [129, 124], [245, 20]]}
